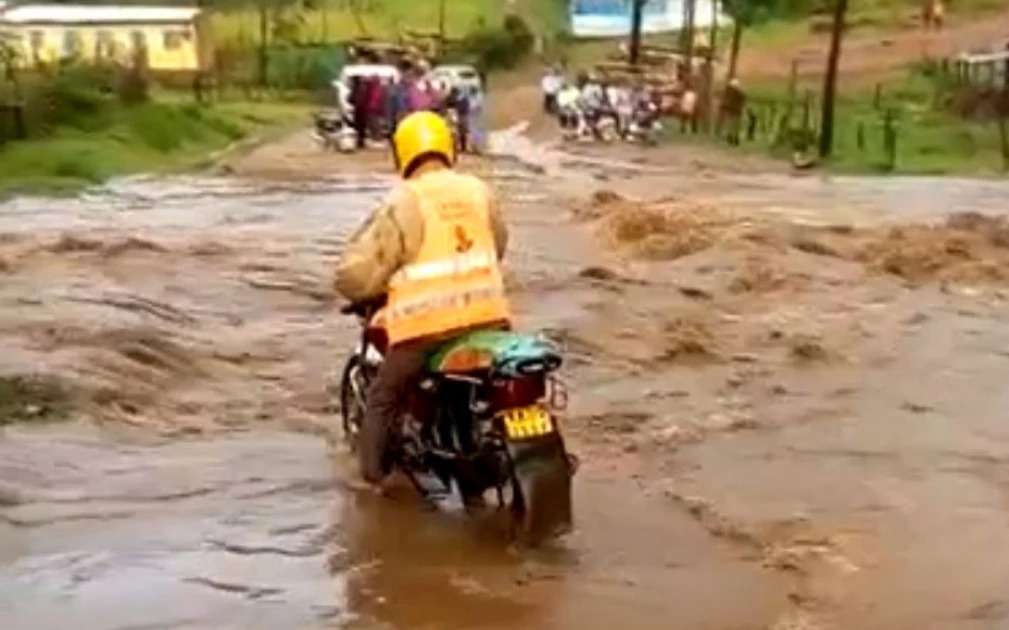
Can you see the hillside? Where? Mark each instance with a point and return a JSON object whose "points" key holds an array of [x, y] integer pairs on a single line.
{"points": [[333, 20]]}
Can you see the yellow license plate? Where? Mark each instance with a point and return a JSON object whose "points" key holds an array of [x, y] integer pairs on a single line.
{"points": [[527, 422]]}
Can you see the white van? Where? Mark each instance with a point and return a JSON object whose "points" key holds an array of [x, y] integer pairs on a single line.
{"points": [[349, 72]]}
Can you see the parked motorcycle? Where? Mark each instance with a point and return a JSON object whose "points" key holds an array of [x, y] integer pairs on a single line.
{"points": [[334, 132], [599, 126], [482, 418], [645, 126]]}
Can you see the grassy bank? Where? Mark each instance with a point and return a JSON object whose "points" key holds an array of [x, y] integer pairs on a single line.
{"points": [[332, 20], [927, 138], [160, 135]]}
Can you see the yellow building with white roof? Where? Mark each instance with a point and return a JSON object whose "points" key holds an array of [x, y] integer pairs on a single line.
{"points": [[174, 37]]}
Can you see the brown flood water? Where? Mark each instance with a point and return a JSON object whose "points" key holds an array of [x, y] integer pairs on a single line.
{"points": [[829, 453]]}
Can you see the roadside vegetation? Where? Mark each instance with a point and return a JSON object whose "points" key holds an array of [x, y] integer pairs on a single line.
{"points": [[75, 133], [918, 124]]}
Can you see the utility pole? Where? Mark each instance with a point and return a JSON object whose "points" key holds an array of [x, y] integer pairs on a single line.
{"points": [[830, 80], [637, 18]]}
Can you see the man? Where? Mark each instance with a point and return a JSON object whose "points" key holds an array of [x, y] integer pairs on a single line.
{"points": [[433, 248], [568, 107], [551, 84], [359, 105], [733, 106]]}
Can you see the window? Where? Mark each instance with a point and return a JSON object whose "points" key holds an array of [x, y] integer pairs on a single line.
{"points": [[37, 40], [172, 40], [71, 43], [139, 40], [105, 45]]}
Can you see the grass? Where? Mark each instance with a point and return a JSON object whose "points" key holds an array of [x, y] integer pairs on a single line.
{"points": [[930, 141], [333, 21], [160, 135]]}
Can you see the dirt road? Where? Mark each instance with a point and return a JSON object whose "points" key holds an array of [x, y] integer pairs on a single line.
{"points": [[871, 53], [788, 398]]}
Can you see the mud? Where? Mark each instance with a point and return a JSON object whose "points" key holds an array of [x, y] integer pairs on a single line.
{"points": [[781, 427]]}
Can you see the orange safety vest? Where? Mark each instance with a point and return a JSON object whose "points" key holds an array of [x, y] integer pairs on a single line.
{"points": [[454, 283]]}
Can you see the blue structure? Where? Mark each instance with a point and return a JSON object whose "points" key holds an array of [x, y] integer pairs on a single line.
{"points": [[612, 18]]}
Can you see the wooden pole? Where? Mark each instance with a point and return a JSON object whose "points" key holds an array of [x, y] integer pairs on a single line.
{"points": [[737, 40], [1004, 140], [830, 80], [264, 34], [441, 29], [691, 29], [325, 21], [637, 19], [710, 94]]}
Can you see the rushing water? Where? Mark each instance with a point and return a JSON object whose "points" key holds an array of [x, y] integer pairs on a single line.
{"points": [[187, 305]]}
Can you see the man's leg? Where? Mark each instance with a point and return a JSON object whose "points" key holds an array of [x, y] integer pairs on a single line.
{"points": [[398, 373]]}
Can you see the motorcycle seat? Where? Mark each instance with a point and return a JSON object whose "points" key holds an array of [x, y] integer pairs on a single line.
{"points": [[497, 352]]}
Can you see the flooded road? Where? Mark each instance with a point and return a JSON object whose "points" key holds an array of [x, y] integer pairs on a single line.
{"points": [[774, 435]]}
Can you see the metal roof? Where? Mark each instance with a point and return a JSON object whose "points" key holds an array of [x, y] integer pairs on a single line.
{"points": [[95, 14]]}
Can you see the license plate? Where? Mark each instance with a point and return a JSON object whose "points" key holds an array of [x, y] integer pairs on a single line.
{"points": [[527, 422]]}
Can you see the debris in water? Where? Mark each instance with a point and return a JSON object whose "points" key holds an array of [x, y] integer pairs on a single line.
{"points": [[33, 398], [687, 338], [807, 349]]}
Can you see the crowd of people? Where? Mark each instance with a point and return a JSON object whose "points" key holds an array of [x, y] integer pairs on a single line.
{"points": [[375, 105], [580, 103]]}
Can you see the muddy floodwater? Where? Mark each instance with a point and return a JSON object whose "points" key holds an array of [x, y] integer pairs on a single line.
{"points": [[779, 428]]}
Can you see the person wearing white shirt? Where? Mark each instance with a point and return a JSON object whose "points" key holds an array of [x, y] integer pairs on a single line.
{"points": [[551, 85]]}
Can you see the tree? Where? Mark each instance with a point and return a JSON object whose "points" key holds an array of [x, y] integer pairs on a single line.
{"points": [[744, 14], [830, 80], [637, 19]]}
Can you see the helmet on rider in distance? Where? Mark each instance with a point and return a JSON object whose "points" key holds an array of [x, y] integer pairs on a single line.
{"points": [[422, 135]]}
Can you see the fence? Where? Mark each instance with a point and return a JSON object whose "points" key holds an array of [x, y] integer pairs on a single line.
{"points": [[883, 131]]}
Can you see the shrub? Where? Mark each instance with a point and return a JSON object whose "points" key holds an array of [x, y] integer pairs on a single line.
{"points": [[503, 47]]}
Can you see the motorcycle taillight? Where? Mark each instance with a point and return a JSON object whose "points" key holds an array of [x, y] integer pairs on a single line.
{"points": [[517, 392], [378, 338]]}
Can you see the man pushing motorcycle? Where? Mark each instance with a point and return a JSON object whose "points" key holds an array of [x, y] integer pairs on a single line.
{"points": [[433, 249]]}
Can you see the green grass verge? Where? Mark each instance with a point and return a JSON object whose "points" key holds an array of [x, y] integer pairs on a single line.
{"points": [[929, 140], [161, 135]]}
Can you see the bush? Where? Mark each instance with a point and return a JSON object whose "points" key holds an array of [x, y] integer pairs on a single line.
{"points": [[80, 97], [500, 48]]}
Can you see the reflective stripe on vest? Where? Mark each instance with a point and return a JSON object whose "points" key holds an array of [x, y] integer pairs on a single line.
{"points": [[454, 281], [456, 265]]}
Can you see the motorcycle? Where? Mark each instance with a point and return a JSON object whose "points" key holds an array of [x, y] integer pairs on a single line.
{"points": [[334, 132], [483, 417], [645, 126], [588, 126]]}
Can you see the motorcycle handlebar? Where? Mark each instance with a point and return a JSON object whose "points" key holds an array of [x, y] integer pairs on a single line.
{"points": [[364, 308]]}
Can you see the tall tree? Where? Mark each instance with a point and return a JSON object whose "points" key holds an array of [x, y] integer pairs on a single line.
{"points": [[830, 80], [744, 14], [688, 34]]}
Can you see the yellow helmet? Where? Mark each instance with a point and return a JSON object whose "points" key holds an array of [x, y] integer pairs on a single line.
{"points": [[419, 135]]}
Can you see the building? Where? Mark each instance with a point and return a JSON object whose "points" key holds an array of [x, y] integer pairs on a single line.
{"points": [[174, 39]]}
